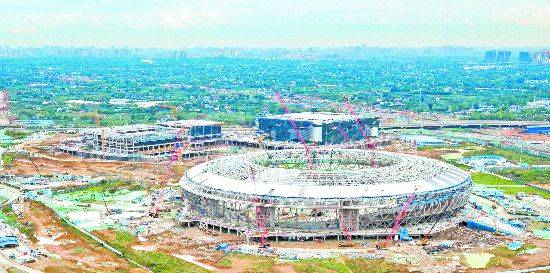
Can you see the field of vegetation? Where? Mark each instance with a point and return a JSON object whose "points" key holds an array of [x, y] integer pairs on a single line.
{"points": [[238, 90], [505, 257], [8, 216], [507, 186], [511, 156], [537, 176], [333, 265]]}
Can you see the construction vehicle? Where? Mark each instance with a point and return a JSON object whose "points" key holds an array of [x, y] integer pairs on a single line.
{"points": [[346, 244]]}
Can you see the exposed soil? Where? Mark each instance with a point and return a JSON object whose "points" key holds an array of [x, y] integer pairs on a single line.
{"points": [[78, 254]]}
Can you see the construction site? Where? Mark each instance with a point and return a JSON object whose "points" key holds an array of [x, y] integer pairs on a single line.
{"points": [[146, 142], [335, 193], [199, 195]]}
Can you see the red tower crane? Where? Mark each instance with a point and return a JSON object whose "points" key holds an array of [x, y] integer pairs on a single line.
{"points": [[398, 220], [344, 134], [261, 213]]}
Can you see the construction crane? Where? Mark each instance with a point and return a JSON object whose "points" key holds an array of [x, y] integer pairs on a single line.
{"points": [[296, 129], [345, 230], [261, 141], [344, 134], [397, 224], [261, 213], [424, 240], [370, 144], [175, 155], [181, 150]]}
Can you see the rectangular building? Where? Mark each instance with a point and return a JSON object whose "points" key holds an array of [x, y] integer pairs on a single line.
{"points": [[319, 127], [152, 140]]}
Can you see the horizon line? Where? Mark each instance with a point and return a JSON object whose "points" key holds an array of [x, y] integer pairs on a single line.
{"points": [[279, 47]]}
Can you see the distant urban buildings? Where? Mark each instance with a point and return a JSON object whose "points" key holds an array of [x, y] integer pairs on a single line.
{"points": [[504, 56], [501, 56], [490, 56], [310, 53], [542, 57], [525, 57]]}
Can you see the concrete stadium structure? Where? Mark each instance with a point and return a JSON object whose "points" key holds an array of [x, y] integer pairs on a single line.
{"points": [[341, 194]]}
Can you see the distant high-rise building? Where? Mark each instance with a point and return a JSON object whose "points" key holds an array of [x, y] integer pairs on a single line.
{"points": [[542, 57], [525, 57], [503, 56], [490, 56]]}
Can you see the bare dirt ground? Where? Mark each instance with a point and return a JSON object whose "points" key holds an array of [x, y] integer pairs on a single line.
{"points": [[524, 261], [76, 253], [80, 255], [544, 186], [43, 160], [192, 241]]}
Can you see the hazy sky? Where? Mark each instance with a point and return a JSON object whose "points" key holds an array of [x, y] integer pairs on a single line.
{"points": [[294, 23]]}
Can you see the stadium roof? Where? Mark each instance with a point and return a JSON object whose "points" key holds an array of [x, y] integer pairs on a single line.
{"points": [[432, 175]]}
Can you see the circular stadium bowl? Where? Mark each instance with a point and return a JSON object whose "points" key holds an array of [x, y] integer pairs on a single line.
{"points": [[332, 192]]}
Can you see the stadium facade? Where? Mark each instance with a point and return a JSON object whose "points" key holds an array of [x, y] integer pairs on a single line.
{"points": [[319, 127], [340, 194]]}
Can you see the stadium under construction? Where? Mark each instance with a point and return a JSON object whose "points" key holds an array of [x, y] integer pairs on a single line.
{"points": [[277, 194]]}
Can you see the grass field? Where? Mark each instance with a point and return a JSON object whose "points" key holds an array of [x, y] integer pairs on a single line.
{"points": [[525, 189], [507, 186], [511, 156], [345, 266], [334, 265], [489, 179], [541, 176], [505, 257], [9, 217]]}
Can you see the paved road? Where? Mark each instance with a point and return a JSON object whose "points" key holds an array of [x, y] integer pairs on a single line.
{"points": [[463, 123]]}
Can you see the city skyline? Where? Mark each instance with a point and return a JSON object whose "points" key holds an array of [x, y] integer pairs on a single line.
{"points": [[241, 23]]}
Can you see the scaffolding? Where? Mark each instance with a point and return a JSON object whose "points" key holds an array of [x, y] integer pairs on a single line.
{"points": [[344, 200], [152, 140]]}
